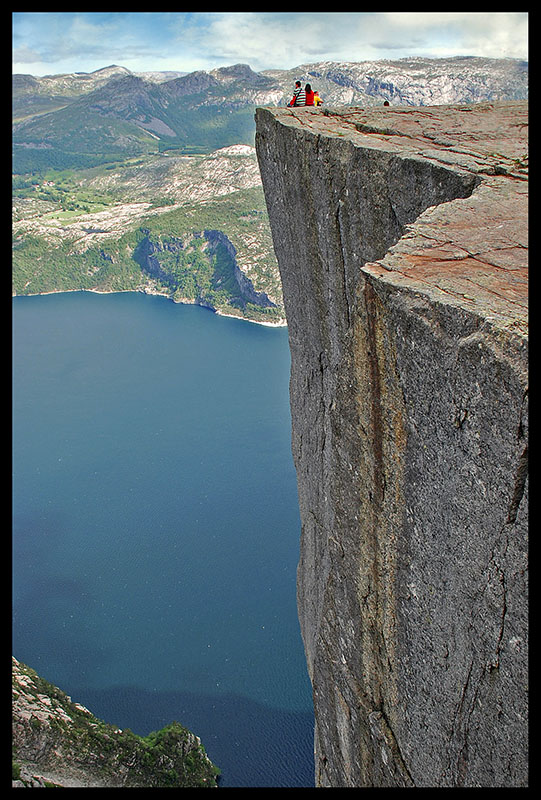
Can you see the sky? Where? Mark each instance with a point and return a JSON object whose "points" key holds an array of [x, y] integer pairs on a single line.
{"points": [[50, 42]]}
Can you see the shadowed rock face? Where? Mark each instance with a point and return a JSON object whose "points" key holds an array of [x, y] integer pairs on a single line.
{"points": [[401, 236]]}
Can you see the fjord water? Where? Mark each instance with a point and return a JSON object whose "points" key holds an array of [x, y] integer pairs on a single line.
{"points": [[156, 526]]}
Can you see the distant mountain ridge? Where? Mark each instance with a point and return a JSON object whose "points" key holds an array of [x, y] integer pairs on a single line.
{"points": [[80, 119], [415, 81]]}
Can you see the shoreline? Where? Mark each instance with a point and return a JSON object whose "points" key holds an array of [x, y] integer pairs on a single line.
{"points": [[281, 324]]}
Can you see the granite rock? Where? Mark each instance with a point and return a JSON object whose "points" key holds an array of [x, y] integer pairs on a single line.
{"points": [[401, 237]]}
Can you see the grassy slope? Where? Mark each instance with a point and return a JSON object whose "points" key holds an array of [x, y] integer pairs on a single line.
{"points": [[72, 742], [53, 251]]}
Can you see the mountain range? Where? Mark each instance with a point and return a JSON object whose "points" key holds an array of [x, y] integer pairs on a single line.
{"points": [[150, 182], [83, 119]]}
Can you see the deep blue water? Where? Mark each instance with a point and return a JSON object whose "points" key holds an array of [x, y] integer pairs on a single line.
{"points": [[156, 525]]}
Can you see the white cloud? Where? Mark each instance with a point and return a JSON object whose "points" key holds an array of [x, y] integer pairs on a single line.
{"points": [[82, 41], [25, 55], [287, 39], [85, 41], [449, 33], [282, 40]]}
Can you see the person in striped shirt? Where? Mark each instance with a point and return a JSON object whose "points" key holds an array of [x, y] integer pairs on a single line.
{"points": [[299, 95]]}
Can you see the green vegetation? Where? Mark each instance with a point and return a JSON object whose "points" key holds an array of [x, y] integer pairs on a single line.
{"points": [[109, 170], [72, 138], [172, 756], [33, 160], [192, 770], [59, 244], [202, 130], [39, 268]]}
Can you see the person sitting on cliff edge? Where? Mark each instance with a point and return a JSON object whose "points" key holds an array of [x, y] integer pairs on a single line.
{"points": [[299, 96], [309, 95]]}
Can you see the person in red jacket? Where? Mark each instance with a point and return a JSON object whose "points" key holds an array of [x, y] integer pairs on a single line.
{"points": [[309, 95]]}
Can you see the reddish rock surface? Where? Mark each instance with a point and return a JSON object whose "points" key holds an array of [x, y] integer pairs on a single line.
{"points": [[472, 251]]}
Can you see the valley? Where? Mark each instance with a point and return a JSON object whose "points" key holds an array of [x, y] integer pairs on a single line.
{"points": [[79, 229], [111, 165]]}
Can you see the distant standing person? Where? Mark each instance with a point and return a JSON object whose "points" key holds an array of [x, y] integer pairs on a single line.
{"points": [[309, 95], [299, 95]]}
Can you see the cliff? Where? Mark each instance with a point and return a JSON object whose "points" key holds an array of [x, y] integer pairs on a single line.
{"points": [[401, 237], [59, 743], [202, 268]]}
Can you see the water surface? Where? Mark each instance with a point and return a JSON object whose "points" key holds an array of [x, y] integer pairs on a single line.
{"points": [[156, 526]]}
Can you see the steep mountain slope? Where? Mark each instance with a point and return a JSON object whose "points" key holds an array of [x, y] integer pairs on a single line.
{"points": [[33, 96], [402, 240], [113, 113]]}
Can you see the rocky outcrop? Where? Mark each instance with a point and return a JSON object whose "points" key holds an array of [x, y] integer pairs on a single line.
{"points": [[57, 742], [195, 268], [401, 237], [246, 287]]}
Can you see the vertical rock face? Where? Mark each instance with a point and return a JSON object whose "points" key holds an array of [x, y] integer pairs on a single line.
{"points": [[401, 240]]}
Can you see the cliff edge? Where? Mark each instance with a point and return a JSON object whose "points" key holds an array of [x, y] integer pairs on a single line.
{"points": [[401, 237]]}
